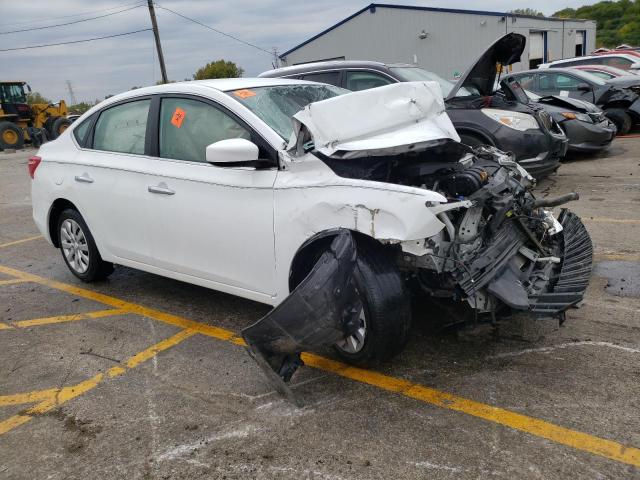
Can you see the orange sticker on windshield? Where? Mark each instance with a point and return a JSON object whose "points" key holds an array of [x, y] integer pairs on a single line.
{"points": [[245, 93], [178, 117]]}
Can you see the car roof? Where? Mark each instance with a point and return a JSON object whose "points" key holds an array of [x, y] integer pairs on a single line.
{"points": [[329, 65], [586, 76], [219, 84], [594, 57]]}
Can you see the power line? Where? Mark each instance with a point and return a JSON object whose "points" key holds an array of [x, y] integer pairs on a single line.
{"points": [[74, 41], [48, 19], [215, 30], [69, 23]]}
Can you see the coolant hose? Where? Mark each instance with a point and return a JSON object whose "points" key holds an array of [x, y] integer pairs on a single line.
{"points": [[447, 223], [554, 202]]}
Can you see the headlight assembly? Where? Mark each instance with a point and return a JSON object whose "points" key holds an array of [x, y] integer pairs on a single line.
{"points": [[583, 117], [515, 120]]}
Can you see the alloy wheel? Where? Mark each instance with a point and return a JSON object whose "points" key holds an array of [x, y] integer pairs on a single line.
{"points": [[74, 245]]}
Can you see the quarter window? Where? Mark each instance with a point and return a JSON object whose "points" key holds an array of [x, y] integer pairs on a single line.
{"points": [[122, 128], [188, 126], [619, 62], [357, 81], [80, 132]]}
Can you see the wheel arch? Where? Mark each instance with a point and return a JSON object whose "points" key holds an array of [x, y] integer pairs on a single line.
{"points": [[308, 253], [476, 133], [57, 207]]}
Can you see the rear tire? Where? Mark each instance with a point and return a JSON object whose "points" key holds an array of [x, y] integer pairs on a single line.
{"points": [[620, 118], [387, 308], [11, 136], [78, 248]]}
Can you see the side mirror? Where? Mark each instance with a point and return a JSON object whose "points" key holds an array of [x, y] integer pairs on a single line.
{"points": [[634, 66], [584, 87], [232, 151]]}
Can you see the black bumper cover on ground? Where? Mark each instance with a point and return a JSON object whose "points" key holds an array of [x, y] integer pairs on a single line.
{"points": [[322, 310]]}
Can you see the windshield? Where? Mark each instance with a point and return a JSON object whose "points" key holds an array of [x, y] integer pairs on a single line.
{"points": [[276, 105], [415, 74], [12, 93]]}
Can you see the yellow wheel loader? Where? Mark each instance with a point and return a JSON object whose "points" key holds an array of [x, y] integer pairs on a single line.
{"points": [[21, 122]]}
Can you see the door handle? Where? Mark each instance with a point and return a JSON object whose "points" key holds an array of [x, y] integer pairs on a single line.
{"points": [[162, 189], [84, 178]]}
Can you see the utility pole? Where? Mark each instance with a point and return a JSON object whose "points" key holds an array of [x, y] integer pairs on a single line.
{"points": [[72, 96], [276, 59], [156, 34]]}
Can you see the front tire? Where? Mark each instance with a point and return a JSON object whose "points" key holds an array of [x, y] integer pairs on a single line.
{"points": [[78, 248], [59, 125], [386, 317], [620, 118]]}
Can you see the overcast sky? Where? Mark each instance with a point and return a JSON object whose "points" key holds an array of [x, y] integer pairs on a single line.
{"points": [[110, 66]]}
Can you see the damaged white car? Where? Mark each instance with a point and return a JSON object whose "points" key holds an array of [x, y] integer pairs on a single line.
{"points": [[332, 207]]}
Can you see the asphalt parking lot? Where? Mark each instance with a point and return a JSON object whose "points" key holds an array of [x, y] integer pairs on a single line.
{"points": [[142, 377]]}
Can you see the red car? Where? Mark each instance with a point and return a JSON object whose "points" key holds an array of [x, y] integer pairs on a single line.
{"points": [[605, 72]]}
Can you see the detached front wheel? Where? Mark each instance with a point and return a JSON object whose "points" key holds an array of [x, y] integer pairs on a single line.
{"points": [[78, 248]]}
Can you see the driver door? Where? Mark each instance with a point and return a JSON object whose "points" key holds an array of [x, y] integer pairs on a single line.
{"points": [[211, 225]]}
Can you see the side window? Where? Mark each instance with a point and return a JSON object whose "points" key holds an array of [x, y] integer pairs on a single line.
{"points": [[332, 78], [566, 82], [601, 74], [619, 62], [547, 82], [188, 126], [526, 81], [122, 128], [364, 80], [80, 131]]}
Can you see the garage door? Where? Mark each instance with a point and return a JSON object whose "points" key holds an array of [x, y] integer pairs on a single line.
{"points": [[536, 49]]}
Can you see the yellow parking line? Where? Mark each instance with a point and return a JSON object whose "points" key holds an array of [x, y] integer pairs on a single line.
{"points": [[534, 426], [68, 318], [4, 326], [16, 242], [628, 257], [52, 398], [610, 220], [11, 281]]}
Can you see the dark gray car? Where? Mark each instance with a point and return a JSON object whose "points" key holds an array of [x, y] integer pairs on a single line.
{"points": [[586, 126], [620, 105], [480, 114]]}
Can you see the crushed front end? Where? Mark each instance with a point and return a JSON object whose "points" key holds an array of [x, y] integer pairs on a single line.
{"points": [[502, 249]]}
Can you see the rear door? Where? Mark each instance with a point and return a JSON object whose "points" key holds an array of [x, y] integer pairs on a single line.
{"points": [[210, 222], [110, 180]]}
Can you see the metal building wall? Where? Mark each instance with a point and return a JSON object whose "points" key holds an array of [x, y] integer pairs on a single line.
{"points": [[453, 40]]}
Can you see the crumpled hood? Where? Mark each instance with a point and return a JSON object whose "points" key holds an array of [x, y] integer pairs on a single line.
{"points": [[570, 103], [482, 74], [380, 121]]}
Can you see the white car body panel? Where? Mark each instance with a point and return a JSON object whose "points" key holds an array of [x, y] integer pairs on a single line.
{"points": [[236, 230], [376, 121]]}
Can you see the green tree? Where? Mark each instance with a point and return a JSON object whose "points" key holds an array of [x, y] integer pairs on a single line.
{"points": [[79, 108], [218, 69], [618, 21], [35, 97], [527, 11]]}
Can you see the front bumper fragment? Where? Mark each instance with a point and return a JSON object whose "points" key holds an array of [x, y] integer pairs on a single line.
{"points": [[323, 309], [569, 282]]}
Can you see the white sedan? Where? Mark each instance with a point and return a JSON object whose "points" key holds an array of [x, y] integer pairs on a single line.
{"points": [[264, 187]]}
